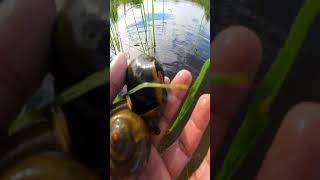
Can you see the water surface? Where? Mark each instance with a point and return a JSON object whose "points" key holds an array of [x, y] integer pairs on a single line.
{"points": [[182, 33]]}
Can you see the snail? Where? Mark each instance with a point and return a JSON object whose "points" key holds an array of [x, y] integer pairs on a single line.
{"points": [[42, 151], [47, 166], [135, 118], [129, 141], [80, 49], [149, 103]]}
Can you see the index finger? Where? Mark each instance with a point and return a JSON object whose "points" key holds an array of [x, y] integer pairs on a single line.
{"points": [[235, 50], [175, 97], [118, 68]]}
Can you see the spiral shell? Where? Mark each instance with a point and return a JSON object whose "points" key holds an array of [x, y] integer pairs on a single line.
{"points": [[48, 166], [42, 151], [129, 142]]}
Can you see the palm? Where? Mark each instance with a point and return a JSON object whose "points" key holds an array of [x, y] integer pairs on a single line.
{"points": [[170, 164]]}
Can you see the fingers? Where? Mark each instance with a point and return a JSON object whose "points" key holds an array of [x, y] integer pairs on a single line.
{"points": [[177, 156], [203, 172], [294, 153], [118, 68], [175, 97], [155, 169], [235, 50]]}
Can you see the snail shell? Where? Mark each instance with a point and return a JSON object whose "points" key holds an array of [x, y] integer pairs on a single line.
{"points": [[42, 151], [148, 102], [129, 141], [47, 166], [80, 49]]}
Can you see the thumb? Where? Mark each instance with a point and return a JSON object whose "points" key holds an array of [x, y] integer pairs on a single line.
{"points": [[118, 69]]}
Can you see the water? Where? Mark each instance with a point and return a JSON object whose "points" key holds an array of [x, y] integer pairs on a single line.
{"points": [[180, 43], [181, 37]]}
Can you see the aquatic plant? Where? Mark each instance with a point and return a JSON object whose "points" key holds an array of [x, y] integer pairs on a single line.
{"points": [[206, 5], [115, 41], [198, 36], [190, 96], [251, 129], [93, 81], [154, 36]]}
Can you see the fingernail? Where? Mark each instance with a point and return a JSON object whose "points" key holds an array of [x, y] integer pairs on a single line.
{"points": [[294, 152], [180, 73], [205, 99], [127, 55]]}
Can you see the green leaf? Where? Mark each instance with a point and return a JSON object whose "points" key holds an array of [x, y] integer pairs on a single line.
{"points": [[93, 81], [190, 97], [150, 85], [229, 79], [257, 119], [29, 118]]}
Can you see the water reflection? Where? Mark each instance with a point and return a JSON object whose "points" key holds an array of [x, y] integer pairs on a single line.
{"points": [[181, 30]]}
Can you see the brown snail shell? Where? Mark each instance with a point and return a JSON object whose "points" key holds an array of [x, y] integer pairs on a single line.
{"points": [[129, 141], [47, 166], [148, 102], [52, 134], [42, 151]]}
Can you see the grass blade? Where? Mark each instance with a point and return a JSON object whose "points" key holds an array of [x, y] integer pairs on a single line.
{"points": [[93, 81], [134, 17], [26, 119], [257, 116], [154, 36], [229, 79], [190, 97], [150, 85], [157, 85]]}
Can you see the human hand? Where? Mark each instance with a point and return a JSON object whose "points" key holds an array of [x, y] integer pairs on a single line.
{"points": [[294, 153], [170, 164]]}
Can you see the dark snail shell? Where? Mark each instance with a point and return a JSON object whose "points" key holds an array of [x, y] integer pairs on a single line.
{"points": [[80, 49], [49, 135], [148, 102], [42, 151], [129, 141], [47, 166]]}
